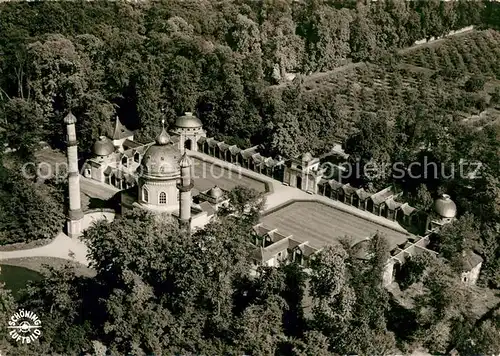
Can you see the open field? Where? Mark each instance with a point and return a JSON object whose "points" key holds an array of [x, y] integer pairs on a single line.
{"points": [[321, 224]]}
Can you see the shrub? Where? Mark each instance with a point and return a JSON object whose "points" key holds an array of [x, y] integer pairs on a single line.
{"points": [[449, 72], [475, 83], [495, 97]]}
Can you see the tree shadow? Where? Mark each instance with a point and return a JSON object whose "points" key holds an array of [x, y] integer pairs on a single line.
{"points": [[96, 203], [401, 321]]}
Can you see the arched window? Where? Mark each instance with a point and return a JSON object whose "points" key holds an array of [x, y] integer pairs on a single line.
{"points": [[145, 194], [162, 198], [383, 210], [355, 200], [328, 190], [340, 195], [297, 256], [125, 161], [137, 157]]}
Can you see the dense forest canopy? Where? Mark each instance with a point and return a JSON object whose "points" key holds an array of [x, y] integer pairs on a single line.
{"points": [[144, 60], [170, 294]]}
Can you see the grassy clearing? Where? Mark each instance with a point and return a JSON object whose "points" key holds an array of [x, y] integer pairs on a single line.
{"points": [[39, 264]]}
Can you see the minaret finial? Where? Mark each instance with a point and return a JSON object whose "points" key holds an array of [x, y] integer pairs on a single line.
{"points": [[163, 138]]}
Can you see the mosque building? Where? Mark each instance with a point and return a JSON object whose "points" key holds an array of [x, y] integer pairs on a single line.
{"points": [[158, 177]]}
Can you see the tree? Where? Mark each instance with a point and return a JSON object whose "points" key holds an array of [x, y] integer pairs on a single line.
{"points": [[327, 37], [7, 309], [23, 125], [495, 97], [349, 300], [422, 199], [246, 35], [246, 203], [281, 46], [28, 211], [260, 330], [413, 270], [287, 136], [333, 297], [374, 139], [368, 334], [482, 340], [314, 344], [362, 38], [185, 284], [57, 78], [462, 235], [59, 301], [445, 301]]}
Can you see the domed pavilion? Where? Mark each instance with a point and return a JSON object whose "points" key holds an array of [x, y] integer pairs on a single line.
{"points": [[158, 175], [189, 129]]}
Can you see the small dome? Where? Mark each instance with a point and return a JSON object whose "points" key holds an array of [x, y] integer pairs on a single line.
{"points": [[163, 138], [103, 147], [445, 207], [215, 192], [161, 160], [70, 119], [188, 121], [185, 161], [306, 157]]}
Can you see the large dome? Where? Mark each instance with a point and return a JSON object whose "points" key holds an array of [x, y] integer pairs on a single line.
{"points": [[188, 121], [162, 158], [103, 146], [445, 207]]}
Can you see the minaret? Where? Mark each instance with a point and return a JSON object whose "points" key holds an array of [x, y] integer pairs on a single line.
{"points": [[75, 214], [185, 187]]}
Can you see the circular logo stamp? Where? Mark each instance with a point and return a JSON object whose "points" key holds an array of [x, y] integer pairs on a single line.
{"points": [[25, 326]]}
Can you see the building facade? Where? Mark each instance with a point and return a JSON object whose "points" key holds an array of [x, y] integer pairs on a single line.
{"points": [[156, 177]]}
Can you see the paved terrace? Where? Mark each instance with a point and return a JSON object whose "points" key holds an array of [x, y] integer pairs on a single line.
{"points": [[321, 224], [280, 195], [210, 173]]}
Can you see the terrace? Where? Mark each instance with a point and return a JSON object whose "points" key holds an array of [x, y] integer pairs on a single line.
{"points": [[321, 224]]}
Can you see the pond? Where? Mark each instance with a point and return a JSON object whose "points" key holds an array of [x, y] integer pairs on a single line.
{"points": [[16, 278]]}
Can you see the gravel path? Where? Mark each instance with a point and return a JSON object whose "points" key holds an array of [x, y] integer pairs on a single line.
{"points": [[61, 247]]}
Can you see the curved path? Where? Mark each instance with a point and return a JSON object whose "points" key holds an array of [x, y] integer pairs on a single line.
{"points": [[72, 249], [62, 247]]}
